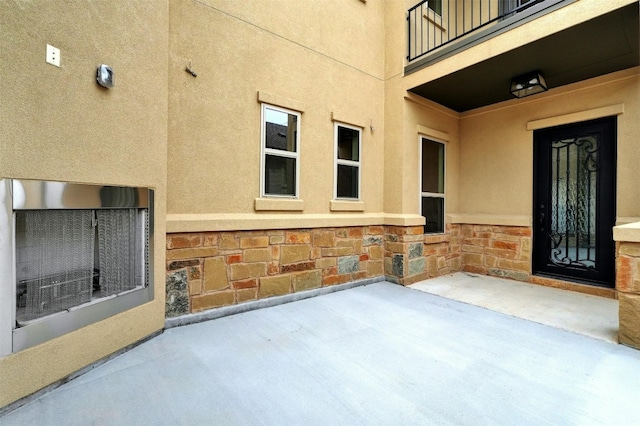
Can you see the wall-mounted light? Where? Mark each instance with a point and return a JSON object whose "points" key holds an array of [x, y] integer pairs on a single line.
{"points": [[528, 84], [104, 76]]}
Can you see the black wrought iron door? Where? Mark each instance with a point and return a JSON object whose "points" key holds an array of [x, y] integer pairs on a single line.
{"points": [[574, 201]]}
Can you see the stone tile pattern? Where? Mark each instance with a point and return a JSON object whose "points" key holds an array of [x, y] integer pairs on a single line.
{"points": [[628, 286], [411, 256], [505, 251], [212, 269], [227, 268], [500, 251], [177, 295]]}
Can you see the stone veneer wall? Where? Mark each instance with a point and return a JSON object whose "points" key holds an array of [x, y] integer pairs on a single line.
{"points": [[505, 251], [501, 251], [628, 286], [212, 269], [411, 256]]}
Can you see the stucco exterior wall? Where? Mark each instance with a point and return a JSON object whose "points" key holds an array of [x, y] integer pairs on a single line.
{"points": [[195, 138], [496, 148], [312, 56], [423, 120], [58, 124]]}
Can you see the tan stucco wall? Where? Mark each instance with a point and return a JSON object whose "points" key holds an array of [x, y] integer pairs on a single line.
{"points": [[495, 170], [57, 124], [496, 149], [400, 150], [406, 118], [430, 122], [322, 62]]}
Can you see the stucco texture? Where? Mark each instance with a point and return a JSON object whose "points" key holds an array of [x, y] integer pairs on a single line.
{"points": [[321, 62], [58, 124], [496, 149]]}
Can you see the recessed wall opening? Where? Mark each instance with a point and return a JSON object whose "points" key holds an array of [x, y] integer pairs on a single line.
{"points": [[432, 192], [81, 253], [69, 258]]}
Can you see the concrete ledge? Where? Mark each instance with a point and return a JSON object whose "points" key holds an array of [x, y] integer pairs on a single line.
{"points": [[629, 232], [254, 221], [264, 303], [403, 220], [284, 220]]}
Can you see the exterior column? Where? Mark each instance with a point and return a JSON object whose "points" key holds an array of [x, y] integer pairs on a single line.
{"points": [[628, 282]]}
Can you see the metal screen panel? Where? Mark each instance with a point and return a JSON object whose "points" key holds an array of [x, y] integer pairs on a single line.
{"points": [[54, 261], [122, 248]]}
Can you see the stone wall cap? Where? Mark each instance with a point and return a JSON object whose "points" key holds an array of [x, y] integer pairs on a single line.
{"points": [[629, 232]]}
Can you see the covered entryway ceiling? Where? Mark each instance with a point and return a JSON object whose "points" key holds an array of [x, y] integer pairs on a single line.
{"points": [[600, 46]]}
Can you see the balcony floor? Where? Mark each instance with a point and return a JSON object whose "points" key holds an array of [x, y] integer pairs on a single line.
{"points": [[377, 354]]}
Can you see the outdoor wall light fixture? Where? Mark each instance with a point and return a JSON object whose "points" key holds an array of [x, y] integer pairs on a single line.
{"points": [[528, 84], [104, 76]]}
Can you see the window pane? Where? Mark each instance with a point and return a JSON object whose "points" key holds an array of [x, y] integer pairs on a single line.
{"points": [[280, 130], [348, 147], [432, 167], [506, 6], [347, 181], [435, 5], [433, 211], [280, 175]]}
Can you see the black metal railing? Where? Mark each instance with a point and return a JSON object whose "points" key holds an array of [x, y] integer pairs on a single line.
{"points": [[435, 23]]}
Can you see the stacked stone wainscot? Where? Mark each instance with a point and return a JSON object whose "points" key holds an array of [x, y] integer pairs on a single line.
{"points": [[628, 286], [501, 251], [213, 269], [207, 270]]}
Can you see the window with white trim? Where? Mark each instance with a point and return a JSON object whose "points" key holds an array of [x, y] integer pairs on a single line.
{"points": [[280, 165], [432, 155], [347, 165]]}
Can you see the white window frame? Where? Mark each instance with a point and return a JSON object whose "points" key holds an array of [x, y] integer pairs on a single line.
{"points": [[264, 151], [444, 184], [338, 161]]}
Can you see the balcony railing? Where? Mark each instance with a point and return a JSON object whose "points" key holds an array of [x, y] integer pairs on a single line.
{"points": [[436, 23]]}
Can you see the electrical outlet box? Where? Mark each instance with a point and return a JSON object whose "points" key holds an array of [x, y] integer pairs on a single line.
{"points": [[53, 55]]}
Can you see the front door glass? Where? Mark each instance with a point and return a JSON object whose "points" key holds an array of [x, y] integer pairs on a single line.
{"points": [[574, 201], [574, 169]]}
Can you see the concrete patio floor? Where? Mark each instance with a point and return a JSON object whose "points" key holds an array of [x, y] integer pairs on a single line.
{"points": [[592, 316], [377, 354]]}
